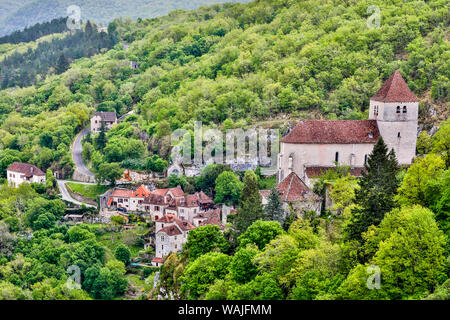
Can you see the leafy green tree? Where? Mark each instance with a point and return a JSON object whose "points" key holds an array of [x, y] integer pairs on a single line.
{"points": [[375, 197], [208, 175], [413, 188], [108, 172], [441, 142], [201, 273], [260, 233], [250, 207], [228, 188], [123, 254], [242, 267], [409, 250], [204, 239]]}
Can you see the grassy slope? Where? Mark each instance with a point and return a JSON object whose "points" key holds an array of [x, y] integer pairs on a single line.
{"points": [[89, 191]]}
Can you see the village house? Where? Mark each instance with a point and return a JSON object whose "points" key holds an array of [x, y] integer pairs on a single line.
{"points": [[128, 199], [294, 191], [171, 235], [108, 119], [18, 173], [315, 145]]}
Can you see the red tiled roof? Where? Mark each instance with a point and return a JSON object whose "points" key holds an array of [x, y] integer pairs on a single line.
{"points": [[184, 225], [210, 217], [123, 193], [158, 260], [26, 168], [395, 89], [333, 132], [168, 218], [172, 230], [318, 171], [142, 191], [177, 192], [160, 192], [292, 188]]}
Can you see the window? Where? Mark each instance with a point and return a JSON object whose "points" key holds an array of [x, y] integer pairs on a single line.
{"points": [[398, 109], [162, 238], [336, 157], [365, 159], [398, 135], [404, 109], [375, 110]]}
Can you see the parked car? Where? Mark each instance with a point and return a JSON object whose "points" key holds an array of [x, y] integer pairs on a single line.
{"points": [[122, 209]]}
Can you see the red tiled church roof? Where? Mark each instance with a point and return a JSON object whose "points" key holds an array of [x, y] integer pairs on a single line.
{"points": [[292, 188], [395, 89], [334, 132], [26, 168]]}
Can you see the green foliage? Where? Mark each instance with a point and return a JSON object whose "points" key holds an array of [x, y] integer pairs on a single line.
{"points": [[250, 207], [203, 240], [228, 188], [123, 254], [378, 186], [260, 233], [274, 210], [201, 273], [412, 189], [108, 172]]}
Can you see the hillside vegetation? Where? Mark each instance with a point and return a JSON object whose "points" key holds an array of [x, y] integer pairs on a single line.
{"points": [[18, 14]]}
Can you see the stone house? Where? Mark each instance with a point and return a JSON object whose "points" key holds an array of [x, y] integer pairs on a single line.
{"points": [[317, 144], [294, 191], [18, 173], [108, 119]]}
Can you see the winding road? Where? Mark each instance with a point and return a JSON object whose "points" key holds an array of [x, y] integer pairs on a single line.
{"points": [[77, 150], [77, 157]]}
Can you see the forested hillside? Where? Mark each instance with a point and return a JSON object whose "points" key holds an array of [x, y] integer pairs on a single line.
{"points": [[37, 31], [18, 14], [24, 67], [239, 63]]}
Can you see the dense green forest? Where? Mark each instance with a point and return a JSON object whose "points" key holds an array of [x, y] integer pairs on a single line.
{"points": [[238, 65], [24, 69], [18, 14], [35, 32]]}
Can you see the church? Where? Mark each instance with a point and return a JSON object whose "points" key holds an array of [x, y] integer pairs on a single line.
{"points": [[314, 146]]}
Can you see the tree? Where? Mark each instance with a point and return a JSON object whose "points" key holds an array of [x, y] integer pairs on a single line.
{"points": [[409, 250], [260, 233], [108, 172], [250, 207], [7, 240], [378, 187], [208, 175], [201, 273], [274, 210], [123, 254], [62, 64], [228, 188], [204, 239], [441, 142], [242, 267], [100, 140], [422, 172]]}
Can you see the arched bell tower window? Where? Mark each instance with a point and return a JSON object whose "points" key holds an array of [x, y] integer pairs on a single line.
{"points": [[398, 109], [336, 157], [398, 135], [365, 159], [404, 109]]}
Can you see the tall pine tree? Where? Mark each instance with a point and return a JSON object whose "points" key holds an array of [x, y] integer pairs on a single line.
{"points": [[375, 197], [100, 141], [274, 211], [62, 64], [250, 207]]}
